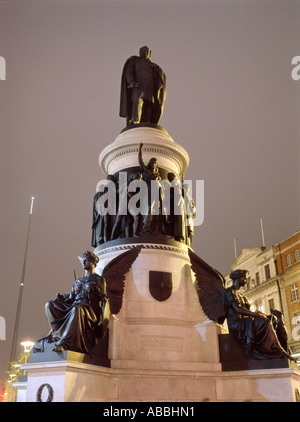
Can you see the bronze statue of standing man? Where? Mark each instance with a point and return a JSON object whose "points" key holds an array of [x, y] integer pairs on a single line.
{"points": [[143, 89]]}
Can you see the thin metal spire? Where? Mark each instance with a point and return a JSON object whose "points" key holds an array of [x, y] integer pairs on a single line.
{"points": [[234, 245], [262, 232], [17, 322]]}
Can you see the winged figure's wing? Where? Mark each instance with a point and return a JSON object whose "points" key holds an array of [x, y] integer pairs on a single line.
{"points": [[114, 274], [210, 288]]}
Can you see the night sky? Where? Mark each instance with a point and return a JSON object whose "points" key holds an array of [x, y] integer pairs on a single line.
{"points": [[231, 103]]}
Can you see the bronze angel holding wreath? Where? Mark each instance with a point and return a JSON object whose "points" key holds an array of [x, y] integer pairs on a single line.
{"points": [[261, 336], [78, 318]]}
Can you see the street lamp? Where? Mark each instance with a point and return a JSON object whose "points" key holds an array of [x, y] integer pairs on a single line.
{"points": [[27, 348], [17, 366]]}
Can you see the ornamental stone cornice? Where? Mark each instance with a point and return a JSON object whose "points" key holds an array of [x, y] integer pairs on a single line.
{"points": [[123, 152], [262, 286]]}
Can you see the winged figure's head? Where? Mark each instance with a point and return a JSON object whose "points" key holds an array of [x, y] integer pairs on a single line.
{"points": [[240, 276], [89, 258]]}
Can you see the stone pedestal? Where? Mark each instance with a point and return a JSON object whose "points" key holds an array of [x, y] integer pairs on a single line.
{"points": [[161, 346], [164, 351], [172, 330]]}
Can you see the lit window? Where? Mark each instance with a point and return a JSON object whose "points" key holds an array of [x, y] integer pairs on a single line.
{"points": [[289, 260], [294, 292], [296, 324], [297, 255]]}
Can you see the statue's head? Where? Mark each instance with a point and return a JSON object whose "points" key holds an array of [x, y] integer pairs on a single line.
{"points": [[153, 164], [135, 176], [240, 276], [90, 257], [171, 177], [145, 52]]}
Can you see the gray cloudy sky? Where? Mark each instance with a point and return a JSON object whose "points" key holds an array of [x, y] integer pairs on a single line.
{"points": [[231, 103]]}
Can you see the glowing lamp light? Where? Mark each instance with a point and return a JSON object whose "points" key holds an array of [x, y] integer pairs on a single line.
{"points": [[27, 348], [27, 345]]}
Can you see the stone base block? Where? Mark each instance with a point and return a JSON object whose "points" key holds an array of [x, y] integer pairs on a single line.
{"points": [[233, 357], [133, 381], [264, 385]]}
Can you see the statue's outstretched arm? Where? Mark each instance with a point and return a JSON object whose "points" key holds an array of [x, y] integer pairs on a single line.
{"points": [[140, 157]]}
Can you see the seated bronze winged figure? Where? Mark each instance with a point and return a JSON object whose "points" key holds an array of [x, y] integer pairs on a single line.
{"points": [[261, 336], [78, 318]]}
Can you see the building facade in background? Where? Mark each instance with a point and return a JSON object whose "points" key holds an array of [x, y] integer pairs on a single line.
{"points": [[287, 253], [274, 282]]}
